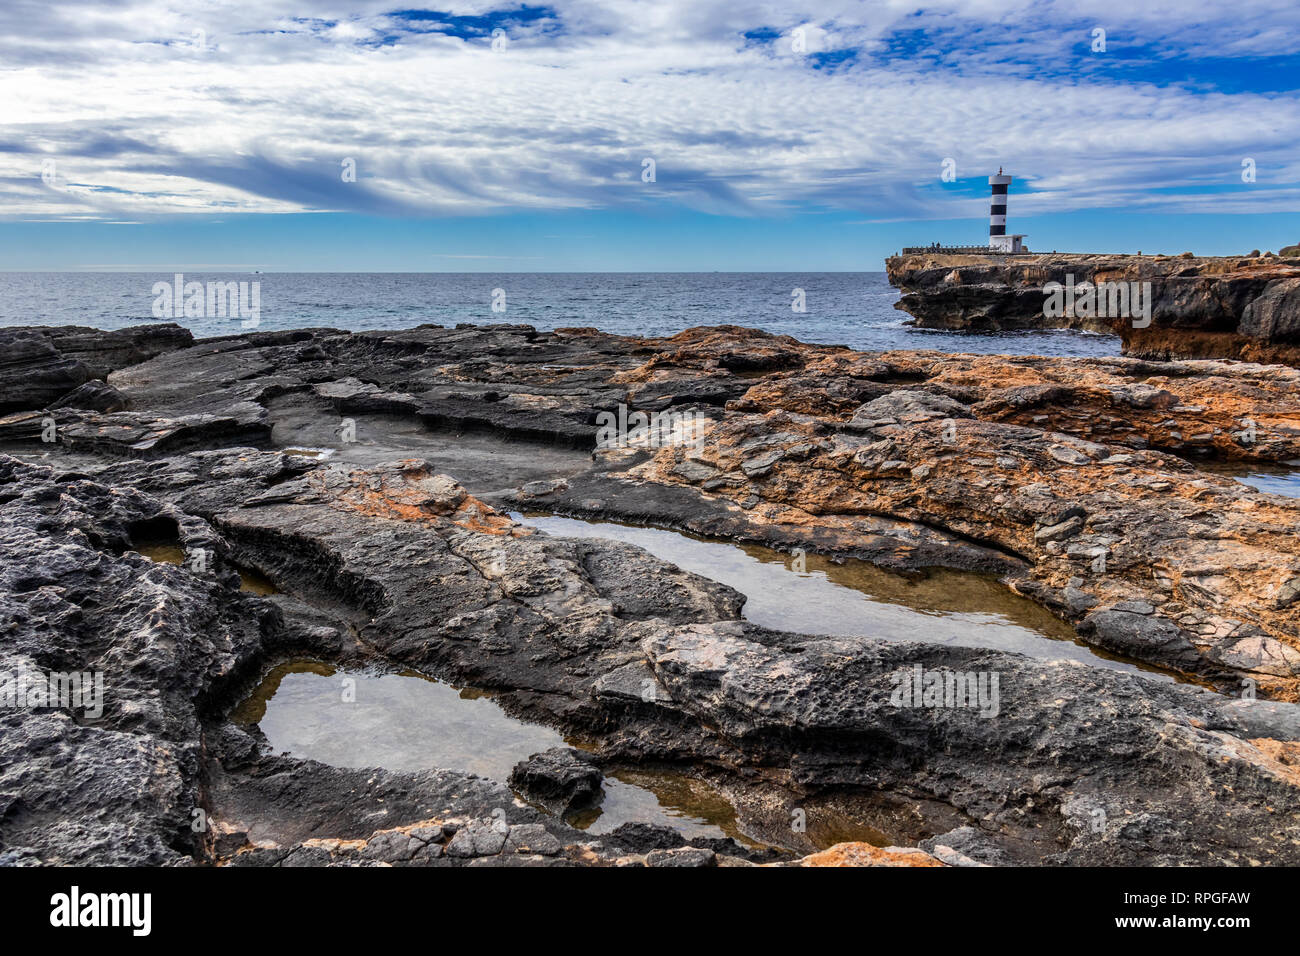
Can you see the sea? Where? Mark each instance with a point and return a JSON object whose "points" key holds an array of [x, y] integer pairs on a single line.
{"points": [[838, 308]]}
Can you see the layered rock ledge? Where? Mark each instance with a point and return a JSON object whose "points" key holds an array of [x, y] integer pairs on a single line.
{"points": [[1245, 308], [66, 364], [369, 477]]}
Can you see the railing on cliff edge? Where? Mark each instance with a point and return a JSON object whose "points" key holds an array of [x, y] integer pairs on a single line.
{"points": [[961, 251]]}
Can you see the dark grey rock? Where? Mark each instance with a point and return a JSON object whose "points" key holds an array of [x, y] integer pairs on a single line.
{"points": [[480, 838], [392, 846], [906, 407], [561, 779], [95, 396], [687, 856], [1138, 633], [966, 846], [694, 471], [638, 837], [33, 373], [532, 838]]}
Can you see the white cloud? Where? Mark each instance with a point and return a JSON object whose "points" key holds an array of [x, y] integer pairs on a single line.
{"points": [[141, 122]]}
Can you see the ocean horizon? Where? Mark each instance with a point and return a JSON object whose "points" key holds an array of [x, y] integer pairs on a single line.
{"points": [[855, 309]]}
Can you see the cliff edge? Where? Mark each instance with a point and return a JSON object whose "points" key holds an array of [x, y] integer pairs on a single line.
{"points": [[1245, 308]]}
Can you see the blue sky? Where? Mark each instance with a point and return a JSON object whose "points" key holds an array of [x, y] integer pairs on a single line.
{"points": [[503, 137]]}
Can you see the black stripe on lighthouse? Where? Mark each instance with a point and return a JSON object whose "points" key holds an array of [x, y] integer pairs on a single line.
{"points": [[998, 206]]}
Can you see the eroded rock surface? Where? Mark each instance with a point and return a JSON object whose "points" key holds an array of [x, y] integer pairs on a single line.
{"points": [[911, 460], [1007, 465]]}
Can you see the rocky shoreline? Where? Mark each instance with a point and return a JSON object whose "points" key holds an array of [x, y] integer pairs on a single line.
{"points": [[371, 477], [1202, 307]]}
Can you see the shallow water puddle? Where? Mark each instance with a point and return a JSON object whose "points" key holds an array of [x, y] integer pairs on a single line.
{"points": [[1283, 479], [168, 552], [857, 598], [406, 721], [690, 806], [309, 452], [396, 721], [250, 580]]}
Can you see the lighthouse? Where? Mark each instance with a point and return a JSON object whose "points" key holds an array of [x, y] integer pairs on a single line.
{"points": [[999, 241]]}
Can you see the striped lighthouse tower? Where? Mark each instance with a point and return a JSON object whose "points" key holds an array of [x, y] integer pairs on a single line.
{"points": [[998, 238]]}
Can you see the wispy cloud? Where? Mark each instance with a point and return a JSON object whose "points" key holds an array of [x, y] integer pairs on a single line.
{"points": [[142, 108]]}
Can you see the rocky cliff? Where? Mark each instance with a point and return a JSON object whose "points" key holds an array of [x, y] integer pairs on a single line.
{"points": [[1244, 308]]}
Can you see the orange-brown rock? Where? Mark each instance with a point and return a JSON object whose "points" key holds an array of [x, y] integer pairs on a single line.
{"points": [[864, 854]]}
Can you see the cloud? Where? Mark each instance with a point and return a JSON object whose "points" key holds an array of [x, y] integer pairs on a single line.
{"points": [[147, 110]]}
